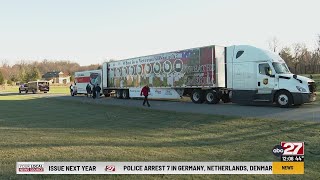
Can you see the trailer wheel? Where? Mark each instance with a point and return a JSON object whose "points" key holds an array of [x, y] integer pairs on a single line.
{"points": [[284, 99], [212, 97], [125, 94], [119, 94], [197, 96]]}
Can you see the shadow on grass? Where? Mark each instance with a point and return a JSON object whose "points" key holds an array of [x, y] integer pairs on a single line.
{"points": [[227, 138], [48, 124], [48, 112]]}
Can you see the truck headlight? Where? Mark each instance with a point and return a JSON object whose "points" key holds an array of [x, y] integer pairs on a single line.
{"points": [[301, 89]]}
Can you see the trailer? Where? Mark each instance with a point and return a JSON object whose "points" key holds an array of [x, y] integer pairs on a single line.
{"points": [[38, 86], [240, 74], [84, 78]]}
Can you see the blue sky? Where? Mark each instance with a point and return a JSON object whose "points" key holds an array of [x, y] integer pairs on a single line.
{"points": [[92, 31]]}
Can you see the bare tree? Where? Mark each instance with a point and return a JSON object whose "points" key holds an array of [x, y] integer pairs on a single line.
{"points": [[286, 55], [274, 44], [4, 63], [298, 50]]}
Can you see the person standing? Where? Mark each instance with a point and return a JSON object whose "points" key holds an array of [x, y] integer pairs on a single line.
{"points": [[98, 89], [75, 89], [94, 92], [145, 92], [88, 88], [71, 89]]}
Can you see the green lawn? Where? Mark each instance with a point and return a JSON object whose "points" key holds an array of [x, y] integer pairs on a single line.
{"points": [[47, 129], [53, 89]]}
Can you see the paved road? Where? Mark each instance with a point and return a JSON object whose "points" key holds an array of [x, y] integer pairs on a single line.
{"points": [[306, 112]]}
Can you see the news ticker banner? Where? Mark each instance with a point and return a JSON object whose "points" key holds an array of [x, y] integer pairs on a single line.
{"points": [[160, 167]]}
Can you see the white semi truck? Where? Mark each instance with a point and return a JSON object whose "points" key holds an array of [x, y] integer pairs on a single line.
{"points": [[240, 74]]}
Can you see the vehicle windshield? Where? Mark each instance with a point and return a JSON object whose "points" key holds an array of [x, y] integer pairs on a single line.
{"points": [[281, 68]]}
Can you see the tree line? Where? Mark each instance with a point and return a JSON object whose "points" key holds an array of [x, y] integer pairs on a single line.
{"points": [[299, 58], [29, 71]]}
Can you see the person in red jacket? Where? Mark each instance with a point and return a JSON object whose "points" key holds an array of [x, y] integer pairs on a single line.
{"points": [[145, 91]]}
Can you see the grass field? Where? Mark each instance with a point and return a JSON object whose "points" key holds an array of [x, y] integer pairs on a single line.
{"points": [[53, 89], [47, 129]]}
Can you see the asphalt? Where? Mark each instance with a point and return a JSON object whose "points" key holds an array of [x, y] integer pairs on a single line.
{"points": [[306, 112]]}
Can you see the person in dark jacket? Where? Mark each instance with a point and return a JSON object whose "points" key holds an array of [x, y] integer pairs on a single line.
{"points": [[145, 92], [88, 88], [71, 89], [98, 89], [94, 92]]}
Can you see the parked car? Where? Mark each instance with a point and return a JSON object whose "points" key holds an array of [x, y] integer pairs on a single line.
{"points": [[23, 87]]}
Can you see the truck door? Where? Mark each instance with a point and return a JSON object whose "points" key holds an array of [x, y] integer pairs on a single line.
{"points": [[265, 78]]}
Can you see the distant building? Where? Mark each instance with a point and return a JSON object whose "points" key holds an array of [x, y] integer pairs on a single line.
{"points": [[57, 77]]}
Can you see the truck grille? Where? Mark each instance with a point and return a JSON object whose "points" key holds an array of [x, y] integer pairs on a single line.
{"points": [[312, 87]]}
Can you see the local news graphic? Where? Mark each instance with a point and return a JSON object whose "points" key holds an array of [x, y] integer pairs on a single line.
{"points": [[31, 167], [161, 167], [291, 155], [289, 151]]}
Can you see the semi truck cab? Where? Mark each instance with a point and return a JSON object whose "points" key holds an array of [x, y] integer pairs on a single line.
{"points": [[255, 74]]}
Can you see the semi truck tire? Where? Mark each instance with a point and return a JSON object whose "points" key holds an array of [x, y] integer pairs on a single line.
{"points": [[119, 94], [125, 94], [211, 97], [284, 99], [197, 96]]}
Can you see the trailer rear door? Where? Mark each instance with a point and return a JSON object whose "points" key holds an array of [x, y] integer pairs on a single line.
{"points": [[104, 75]]}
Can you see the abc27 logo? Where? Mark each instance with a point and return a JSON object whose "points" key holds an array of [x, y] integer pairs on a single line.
{"points": [[289, 151]]}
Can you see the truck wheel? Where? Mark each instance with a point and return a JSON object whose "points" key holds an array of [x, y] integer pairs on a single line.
{"points": [[26, 91], [125, 94], [284, 99], [107, 95], [19, 91], [33, 92], [119, 94], [197, 96], [212, 97]]}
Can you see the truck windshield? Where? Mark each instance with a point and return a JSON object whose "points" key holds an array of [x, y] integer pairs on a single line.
{"points": [[281, 68]]}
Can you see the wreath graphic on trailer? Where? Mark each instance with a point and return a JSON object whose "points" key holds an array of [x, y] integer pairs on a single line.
{"points": [[95, 78]]}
